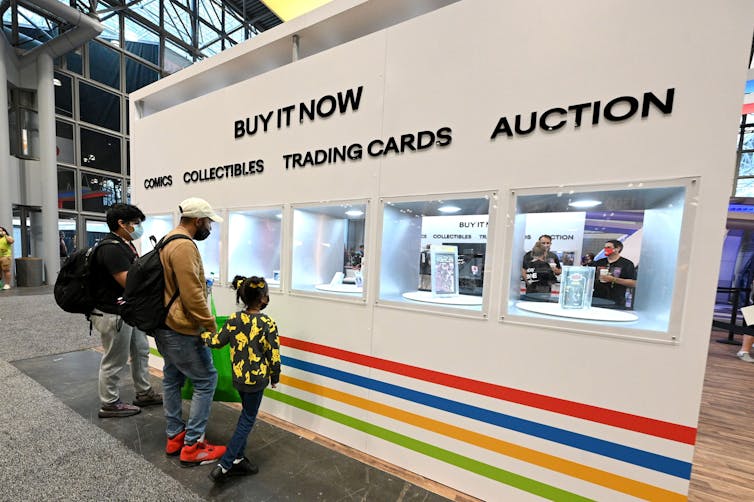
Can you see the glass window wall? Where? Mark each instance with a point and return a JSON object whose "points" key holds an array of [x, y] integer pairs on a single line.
{"points": [[63, 95], [64, 142], [66, 188], [433, 252], [99, 107], [142, 41], [138, 75], [605, 258], [326, 239], [100, 192], [68, 233], [100, 151], [104, 64], [254, 244]]}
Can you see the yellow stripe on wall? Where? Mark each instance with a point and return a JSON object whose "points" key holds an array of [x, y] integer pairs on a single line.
{"points": [[288, 9], [567, 467]]}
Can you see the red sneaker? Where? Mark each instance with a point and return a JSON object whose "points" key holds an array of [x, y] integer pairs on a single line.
{"points": [[200, 453], [175, 444]]}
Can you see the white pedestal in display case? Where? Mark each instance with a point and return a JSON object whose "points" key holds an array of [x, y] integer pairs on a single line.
{"points": [[340, 288], [591, 314], [426, 296]]}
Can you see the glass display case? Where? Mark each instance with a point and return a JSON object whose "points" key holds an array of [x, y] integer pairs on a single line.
{"points": [[328, 249], [636, 280], [254, 244], [433, 251], [156, 226]]}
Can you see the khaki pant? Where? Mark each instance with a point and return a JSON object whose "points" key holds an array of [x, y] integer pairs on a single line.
{"points": [[119, 341]]}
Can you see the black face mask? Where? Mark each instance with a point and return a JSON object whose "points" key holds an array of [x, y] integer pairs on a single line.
{"points": [[263, 305], [202, 233]]}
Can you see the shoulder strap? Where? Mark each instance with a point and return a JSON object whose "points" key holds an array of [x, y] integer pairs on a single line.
{"points": [[90, 253], [163, 242]]}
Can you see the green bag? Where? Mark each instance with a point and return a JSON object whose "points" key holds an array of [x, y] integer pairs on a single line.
{"points": [[221, 358]]}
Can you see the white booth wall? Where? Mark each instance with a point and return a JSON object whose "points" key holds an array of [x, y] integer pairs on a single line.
{"points": [[494, 408]]}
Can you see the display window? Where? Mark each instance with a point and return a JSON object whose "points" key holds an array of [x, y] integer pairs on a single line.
{"points": [[328, 249], [254, 244], [433, 252], [156, 226], [604, 259]]}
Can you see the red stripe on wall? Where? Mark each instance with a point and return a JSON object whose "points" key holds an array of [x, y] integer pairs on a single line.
{"points": [[628, 421], [747, 109]]}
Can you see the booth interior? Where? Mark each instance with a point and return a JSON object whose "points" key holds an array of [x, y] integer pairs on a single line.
{"points": [[433, 250]]}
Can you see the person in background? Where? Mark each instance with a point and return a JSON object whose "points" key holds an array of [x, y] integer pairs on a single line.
{"points": [[6, 256], [63, 248], [179, 341], [358, 257], [550, 257], [744, 352], [539, 275], [109, 272], [587, 260], [255, 357], [614, 274]]}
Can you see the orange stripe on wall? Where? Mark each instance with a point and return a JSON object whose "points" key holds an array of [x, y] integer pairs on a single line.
{"points": [[563, 466]]}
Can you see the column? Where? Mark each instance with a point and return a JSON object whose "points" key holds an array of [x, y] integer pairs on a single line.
{"points": [[48, 167]]}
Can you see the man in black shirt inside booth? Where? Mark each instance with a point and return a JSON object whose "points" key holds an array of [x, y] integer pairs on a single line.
{"points": [[109, 271], [614, 274], [550, 258]]}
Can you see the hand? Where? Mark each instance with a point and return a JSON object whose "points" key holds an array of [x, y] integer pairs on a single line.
{"points": [[206, 336]]}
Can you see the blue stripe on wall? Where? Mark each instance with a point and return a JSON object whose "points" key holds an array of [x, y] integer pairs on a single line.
{"points": [[642, 458]]}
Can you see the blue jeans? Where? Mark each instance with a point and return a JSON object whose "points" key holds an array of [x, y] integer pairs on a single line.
{"points": [[237, 445], [186, 356]]}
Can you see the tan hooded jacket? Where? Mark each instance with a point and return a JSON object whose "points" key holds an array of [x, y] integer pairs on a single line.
{"points": [[189, 314]]}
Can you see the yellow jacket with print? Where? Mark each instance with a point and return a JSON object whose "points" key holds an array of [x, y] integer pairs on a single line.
{"points": [[254, 349], [189, 314]]}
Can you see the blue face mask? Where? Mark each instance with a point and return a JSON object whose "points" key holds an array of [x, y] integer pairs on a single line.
{"points": [[137, 233]]}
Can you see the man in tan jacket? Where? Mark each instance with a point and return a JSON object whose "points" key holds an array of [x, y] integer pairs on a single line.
{"points": [[179, 342]]}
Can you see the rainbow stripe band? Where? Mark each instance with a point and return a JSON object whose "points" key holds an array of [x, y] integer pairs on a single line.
{"points": [[521, 453], [567, 467], [486, 470], [617, 451], [628, 421]]}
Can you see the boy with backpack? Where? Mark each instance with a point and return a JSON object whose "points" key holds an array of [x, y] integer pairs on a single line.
{"points": [[109, 266]]}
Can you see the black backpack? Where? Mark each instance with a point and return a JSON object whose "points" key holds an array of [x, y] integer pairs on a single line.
{"points": [[74, 290], [143, 302]]}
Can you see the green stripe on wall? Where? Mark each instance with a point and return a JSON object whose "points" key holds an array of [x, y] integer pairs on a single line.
{"points": [[469, 464]]}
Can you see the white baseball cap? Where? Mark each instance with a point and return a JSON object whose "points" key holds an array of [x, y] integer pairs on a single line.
{"points": [[194, 207]]}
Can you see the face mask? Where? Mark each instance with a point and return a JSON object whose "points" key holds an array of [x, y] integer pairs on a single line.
{"points": [[137, 233], [202, 233], [609, 251]]}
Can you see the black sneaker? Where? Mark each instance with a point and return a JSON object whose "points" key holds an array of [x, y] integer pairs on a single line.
{"points": [[243, 468], [147, 398], [118, 409], [218, 476]]}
